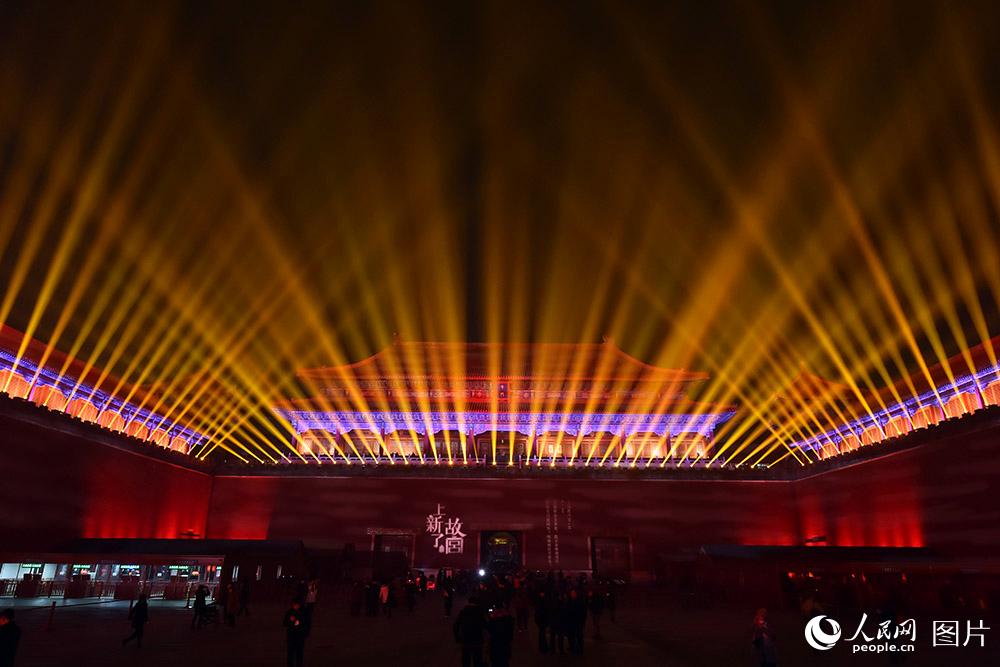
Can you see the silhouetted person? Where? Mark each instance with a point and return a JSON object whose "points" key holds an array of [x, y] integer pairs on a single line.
{"points": [[357, 597], [244, 598], [560, 623], [232, 605], [448, 597], [371, 598], [542, 621], [385, 597], [10, 635], [296, 630], [410, 595], [470, 630], [576, 620], [301, 589], [200, 607], [501, 629], [312, 594], [597, 599], [763, 640], [139, 615], [521, 604]]}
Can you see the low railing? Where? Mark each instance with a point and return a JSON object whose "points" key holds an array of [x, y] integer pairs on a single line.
{"points": [[98, 589], [37, 589]]}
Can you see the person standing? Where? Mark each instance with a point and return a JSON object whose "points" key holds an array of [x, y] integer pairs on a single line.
{"points": [[244, 598], [200, 607], [357, 597], [501, 629], [385, 599], [576, 620], [763, 640], [296, 630], [611, 600], [521, 604], [410, 594], [371, 598], [448, 597], [559, 613], [232, 605], [597, 598], [312, 592], [470, 628], [542, 621], [139, 615], [10, 636]]}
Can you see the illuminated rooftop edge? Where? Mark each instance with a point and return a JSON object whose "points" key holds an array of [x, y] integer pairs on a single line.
{"points": [[100, 399], [973, 382], [526, 423]]}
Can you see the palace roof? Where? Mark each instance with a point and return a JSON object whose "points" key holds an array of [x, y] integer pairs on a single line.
{"points": [[513, 361]]}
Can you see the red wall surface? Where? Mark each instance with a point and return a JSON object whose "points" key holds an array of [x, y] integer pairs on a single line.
{"points": [[57, 487], [655, 515], [943, 495]]}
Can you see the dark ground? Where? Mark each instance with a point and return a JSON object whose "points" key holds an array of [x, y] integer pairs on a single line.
{"points": [[650, 631]]}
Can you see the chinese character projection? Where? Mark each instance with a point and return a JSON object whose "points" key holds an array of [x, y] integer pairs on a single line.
{"points": [[447, 532]]}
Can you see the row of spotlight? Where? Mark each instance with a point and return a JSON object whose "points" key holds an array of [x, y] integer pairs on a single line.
{"points": [[16, 386], [872, 430]]}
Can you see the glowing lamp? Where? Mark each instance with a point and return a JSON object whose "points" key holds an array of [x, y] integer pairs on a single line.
{"points": [[849, 443], [991, 393], [897, 426], [13, 384], [962, 403], [82, 409], [927, 416], [49, 397], [871, 435], [137, 429], [111, 420], [689, 446], [828, 450], [159, 437], [314, 442]]}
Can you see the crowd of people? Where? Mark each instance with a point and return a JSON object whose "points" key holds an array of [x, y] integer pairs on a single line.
{"points": [[381, 596], [500, 605]]}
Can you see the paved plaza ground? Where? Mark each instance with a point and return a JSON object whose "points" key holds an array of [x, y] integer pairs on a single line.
{"points": [[650, 631]]}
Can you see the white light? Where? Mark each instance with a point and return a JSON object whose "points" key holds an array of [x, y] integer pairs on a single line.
{"points": [[482, 572]]}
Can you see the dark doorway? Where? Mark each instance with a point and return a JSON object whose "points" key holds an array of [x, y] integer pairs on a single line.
{"points": [[393, 555], [500, 551], [610, 557]]}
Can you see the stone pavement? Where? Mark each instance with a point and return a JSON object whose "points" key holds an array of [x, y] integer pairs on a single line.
{"points": [[650, 632]]}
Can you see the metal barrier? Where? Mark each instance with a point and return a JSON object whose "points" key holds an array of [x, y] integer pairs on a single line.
{"points": [[100, 589]]}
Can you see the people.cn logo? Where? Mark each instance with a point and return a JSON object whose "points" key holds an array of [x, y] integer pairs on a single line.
{"points": [[820, 639]]}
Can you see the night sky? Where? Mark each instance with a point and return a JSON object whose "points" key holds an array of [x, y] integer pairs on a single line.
{"points": [[268, 187]]}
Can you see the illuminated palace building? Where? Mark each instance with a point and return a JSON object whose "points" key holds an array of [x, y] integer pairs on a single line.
{"points": [[433, 403], [463, 456]]}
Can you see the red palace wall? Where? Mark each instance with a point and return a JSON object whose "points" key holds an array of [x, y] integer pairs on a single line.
{"points": [[655, 515], [57, 487], [944, 495]]}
